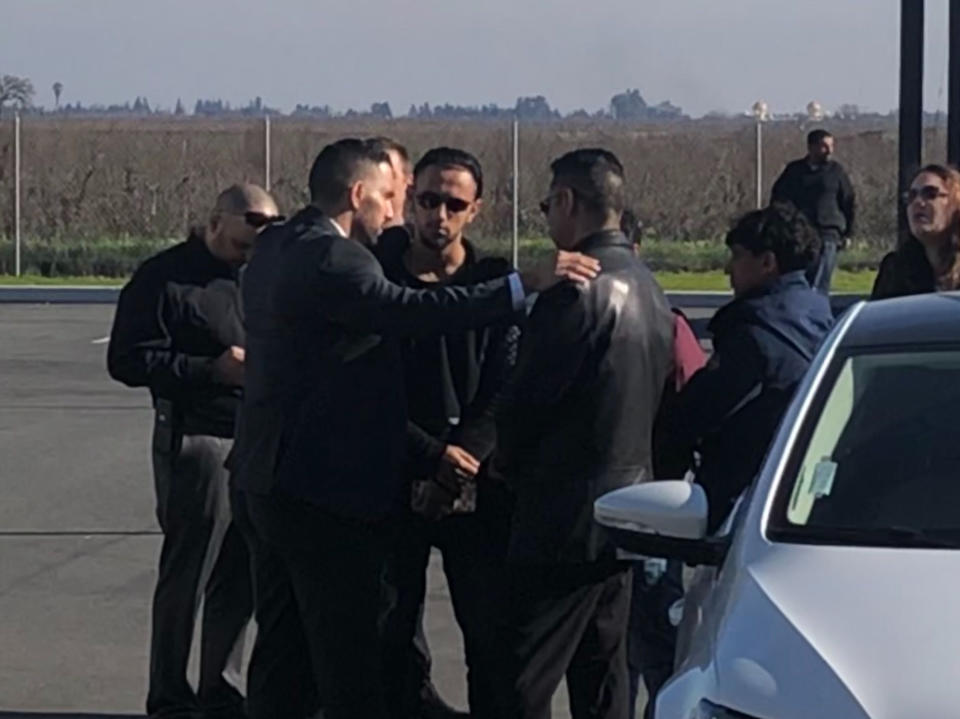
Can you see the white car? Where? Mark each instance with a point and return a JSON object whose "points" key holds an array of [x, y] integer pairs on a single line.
{"points": [[833, 590]]}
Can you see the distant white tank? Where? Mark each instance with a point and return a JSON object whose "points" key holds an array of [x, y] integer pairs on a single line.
{"points": [[760, 110], [814, 111]]}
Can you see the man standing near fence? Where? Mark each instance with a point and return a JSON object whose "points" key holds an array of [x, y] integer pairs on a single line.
{"points": [[177, 331], [819, 187]]}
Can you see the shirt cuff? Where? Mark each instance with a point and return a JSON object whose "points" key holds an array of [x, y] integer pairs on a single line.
{"points": [[517, 295]]}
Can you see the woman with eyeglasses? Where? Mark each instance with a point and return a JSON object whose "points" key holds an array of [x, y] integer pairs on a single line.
{"points": [[929, 260]]}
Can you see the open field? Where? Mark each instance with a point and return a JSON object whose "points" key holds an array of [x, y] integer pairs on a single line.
{"points": [[844, 281], [119, 257], [151, 178]]}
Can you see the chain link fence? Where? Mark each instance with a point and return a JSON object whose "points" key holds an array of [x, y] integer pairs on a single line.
{"points": [[132, 182]]}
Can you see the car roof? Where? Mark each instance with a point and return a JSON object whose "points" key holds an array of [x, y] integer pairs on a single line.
{"points": [[932, 318]]}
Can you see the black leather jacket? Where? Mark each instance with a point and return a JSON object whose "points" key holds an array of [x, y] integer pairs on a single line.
{"points": [[577, 418]]}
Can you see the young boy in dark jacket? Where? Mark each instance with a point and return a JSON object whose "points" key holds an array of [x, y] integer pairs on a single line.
{"points": [[763, 343]]}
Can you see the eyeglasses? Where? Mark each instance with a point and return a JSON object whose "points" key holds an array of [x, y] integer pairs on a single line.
{"points": [[577, 195], [433, 200], [259, 219], [929, 193]]}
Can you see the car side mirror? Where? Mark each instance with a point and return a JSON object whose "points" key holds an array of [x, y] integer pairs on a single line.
{"points": [[661, 519]]}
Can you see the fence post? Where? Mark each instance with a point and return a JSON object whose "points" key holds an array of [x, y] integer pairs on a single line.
{"points": [[910, 138], [185, 170], [266, 152], [16, 192], [759, 178], [516, 192], [953, 83]]}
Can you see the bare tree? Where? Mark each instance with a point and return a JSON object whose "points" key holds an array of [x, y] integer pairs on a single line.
{"points": [[15, 91], [57, 89]]}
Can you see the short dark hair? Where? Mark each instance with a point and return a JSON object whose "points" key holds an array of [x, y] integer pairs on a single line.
{"points": [[388, 144], [447, 157], [781, 229], [630, 226], [815, 137], [596, 177], [339, 165]]}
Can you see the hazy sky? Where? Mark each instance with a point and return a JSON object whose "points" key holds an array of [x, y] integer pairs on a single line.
{"points": [[700, 54]]}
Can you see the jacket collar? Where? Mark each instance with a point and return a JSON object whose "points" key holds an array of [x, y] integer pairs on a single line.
{"points": [[603, 238], [748, 303], [816, 168], [196, 236], [788, 280], [313, 217], [336, 226], [197, 241]]}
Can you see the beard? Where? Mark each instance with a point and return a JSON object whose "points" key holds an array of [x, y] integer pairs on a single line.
{"points": [[366, 233], [435, 240]]}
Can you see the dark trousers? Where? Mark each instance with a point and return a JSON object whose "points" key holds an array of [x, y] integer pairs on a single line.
{"points": [[280, 679], [203, 556], [820, 273], [473, 548], [331, 570], [651, 637], [566, 621]]}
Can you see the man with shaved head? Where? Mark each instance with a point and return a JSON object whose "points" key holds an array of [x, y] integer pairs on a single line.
{"points": [[177, 331]]}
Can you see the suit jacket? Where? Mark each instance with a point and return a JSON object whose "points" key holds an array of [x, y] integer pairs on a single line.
{"points": [[324, 411], [577, 420]]}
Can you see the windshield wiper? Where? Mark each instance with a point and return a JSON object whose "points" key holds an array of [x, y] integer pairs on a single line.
{"points": [[895, 536]]}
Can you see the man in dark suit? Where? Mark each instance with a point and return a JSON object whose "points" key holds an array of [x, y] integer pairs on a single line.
{"points": [[576, 422], [321, 433]]}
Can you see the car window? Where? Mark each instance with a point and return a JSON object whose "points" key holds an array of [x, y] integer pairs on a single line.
{"points": [[817, 463], [881, 462]]}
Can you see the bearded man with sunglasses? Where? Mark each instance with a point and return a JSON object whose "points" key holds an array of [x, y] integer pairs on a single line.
{"points": [[177, 331], [452, 381]]}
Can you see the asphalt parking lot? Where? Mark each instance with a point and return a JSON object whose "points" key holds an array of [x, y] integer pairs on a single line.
{"points": [[78, 539]]}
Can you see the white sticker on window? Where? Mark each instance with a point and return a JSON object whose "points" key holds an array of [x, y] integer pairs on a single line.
{"points": [[823, 475]]}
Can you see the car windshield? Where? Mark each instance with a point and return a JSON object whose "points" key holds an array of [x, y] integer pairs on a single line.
{"points": [[880, 463]]}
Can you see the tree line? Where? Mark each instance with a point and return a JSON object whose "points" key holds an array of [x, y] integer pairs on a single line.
{"points": [[19, 93]]}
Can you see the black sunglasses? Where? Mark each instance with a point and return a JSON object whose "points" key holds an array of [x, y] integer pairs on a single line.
{"points": [[545, 204], [259, 219], [433, 200], [927, 192]]}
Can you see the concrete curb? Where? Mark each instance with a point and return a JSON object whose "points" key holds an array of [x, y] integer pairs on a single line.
{"points": [[59, 294], [107, 294]]}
